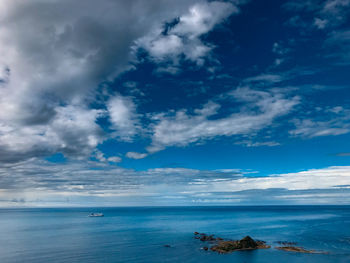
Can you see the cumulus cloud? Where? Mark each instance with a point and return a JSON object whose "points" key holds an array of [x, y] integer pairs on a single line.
{"points": [[73, 131], [98, 155], [181, 39], [260, 109], [53, 55], [123, 116]]}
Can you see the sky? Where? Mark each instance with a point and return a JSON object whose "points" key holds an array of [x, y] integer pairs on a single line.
{"points": [[171, 103]]}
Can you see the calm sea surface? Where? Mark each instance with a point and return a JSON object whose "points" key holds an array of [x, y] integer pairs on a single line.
{"points": [[139, 234]]}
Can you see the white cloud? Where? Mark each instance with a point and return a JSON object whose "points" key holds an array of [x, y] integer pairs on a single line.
{"points": [[136, 155], [123, 116], [203, 17], [165, 46], [310, 128], [183, 38], [102, 158], [310, 179], [114, 159], [260, 109]]}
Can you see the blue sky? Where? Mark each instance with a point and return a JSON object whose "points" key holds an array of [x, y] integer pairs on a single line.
{"points": [[174, 102]]}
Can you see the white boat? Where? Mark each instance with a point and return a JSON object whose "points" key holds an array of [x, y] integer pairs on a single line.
{"points": [[96, 215]]}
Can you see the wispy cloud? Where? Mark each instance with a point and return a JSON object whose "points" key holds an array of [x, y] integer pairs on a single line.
{"points": [[260, 109], [330, 121], [343, 154], [136, 155], [321, 14]]}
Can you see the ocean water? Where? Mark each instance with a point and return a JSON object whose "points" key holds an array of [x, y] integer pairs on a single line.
{"points": [[139, 234]]}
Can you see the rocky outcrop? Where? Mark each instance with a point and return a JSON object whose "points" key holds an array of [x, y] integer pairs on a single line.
{"points": [[226, 246], [205, 237], [299, 250], [247, 243], [222, 246]]}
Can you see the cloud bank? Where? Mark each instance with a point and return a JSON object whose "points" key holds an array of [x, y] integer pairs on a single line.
{"points": [[70, 184]]}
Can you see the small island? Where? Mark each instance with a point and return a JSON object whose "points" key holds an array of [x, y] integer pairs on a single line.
{"points": [[246, 243], [226, 246], [222, 246]]}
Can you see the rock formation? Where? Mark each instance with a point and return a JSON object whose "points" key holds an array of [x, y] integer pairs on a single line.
{"points": [[247, 243]]}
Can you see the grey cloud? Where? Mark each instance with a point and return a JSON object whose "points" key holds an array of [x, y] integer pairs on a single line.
{"points": [[53, 55], [38, 181], [93, 177], [73, 132]]}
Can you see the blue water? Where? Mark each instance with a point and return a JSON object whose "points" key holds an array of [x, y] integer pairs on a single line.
{"points": [[139, 234]]}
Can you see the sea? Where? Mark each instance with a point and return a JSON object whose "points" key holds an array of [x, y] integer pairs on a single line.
{"points": [[166, 234]]}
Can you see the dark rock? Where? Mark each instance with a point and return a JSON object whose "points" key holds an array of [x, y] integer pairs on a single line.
{"points": [[207, 238], [246, 243], [300, 250]]}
